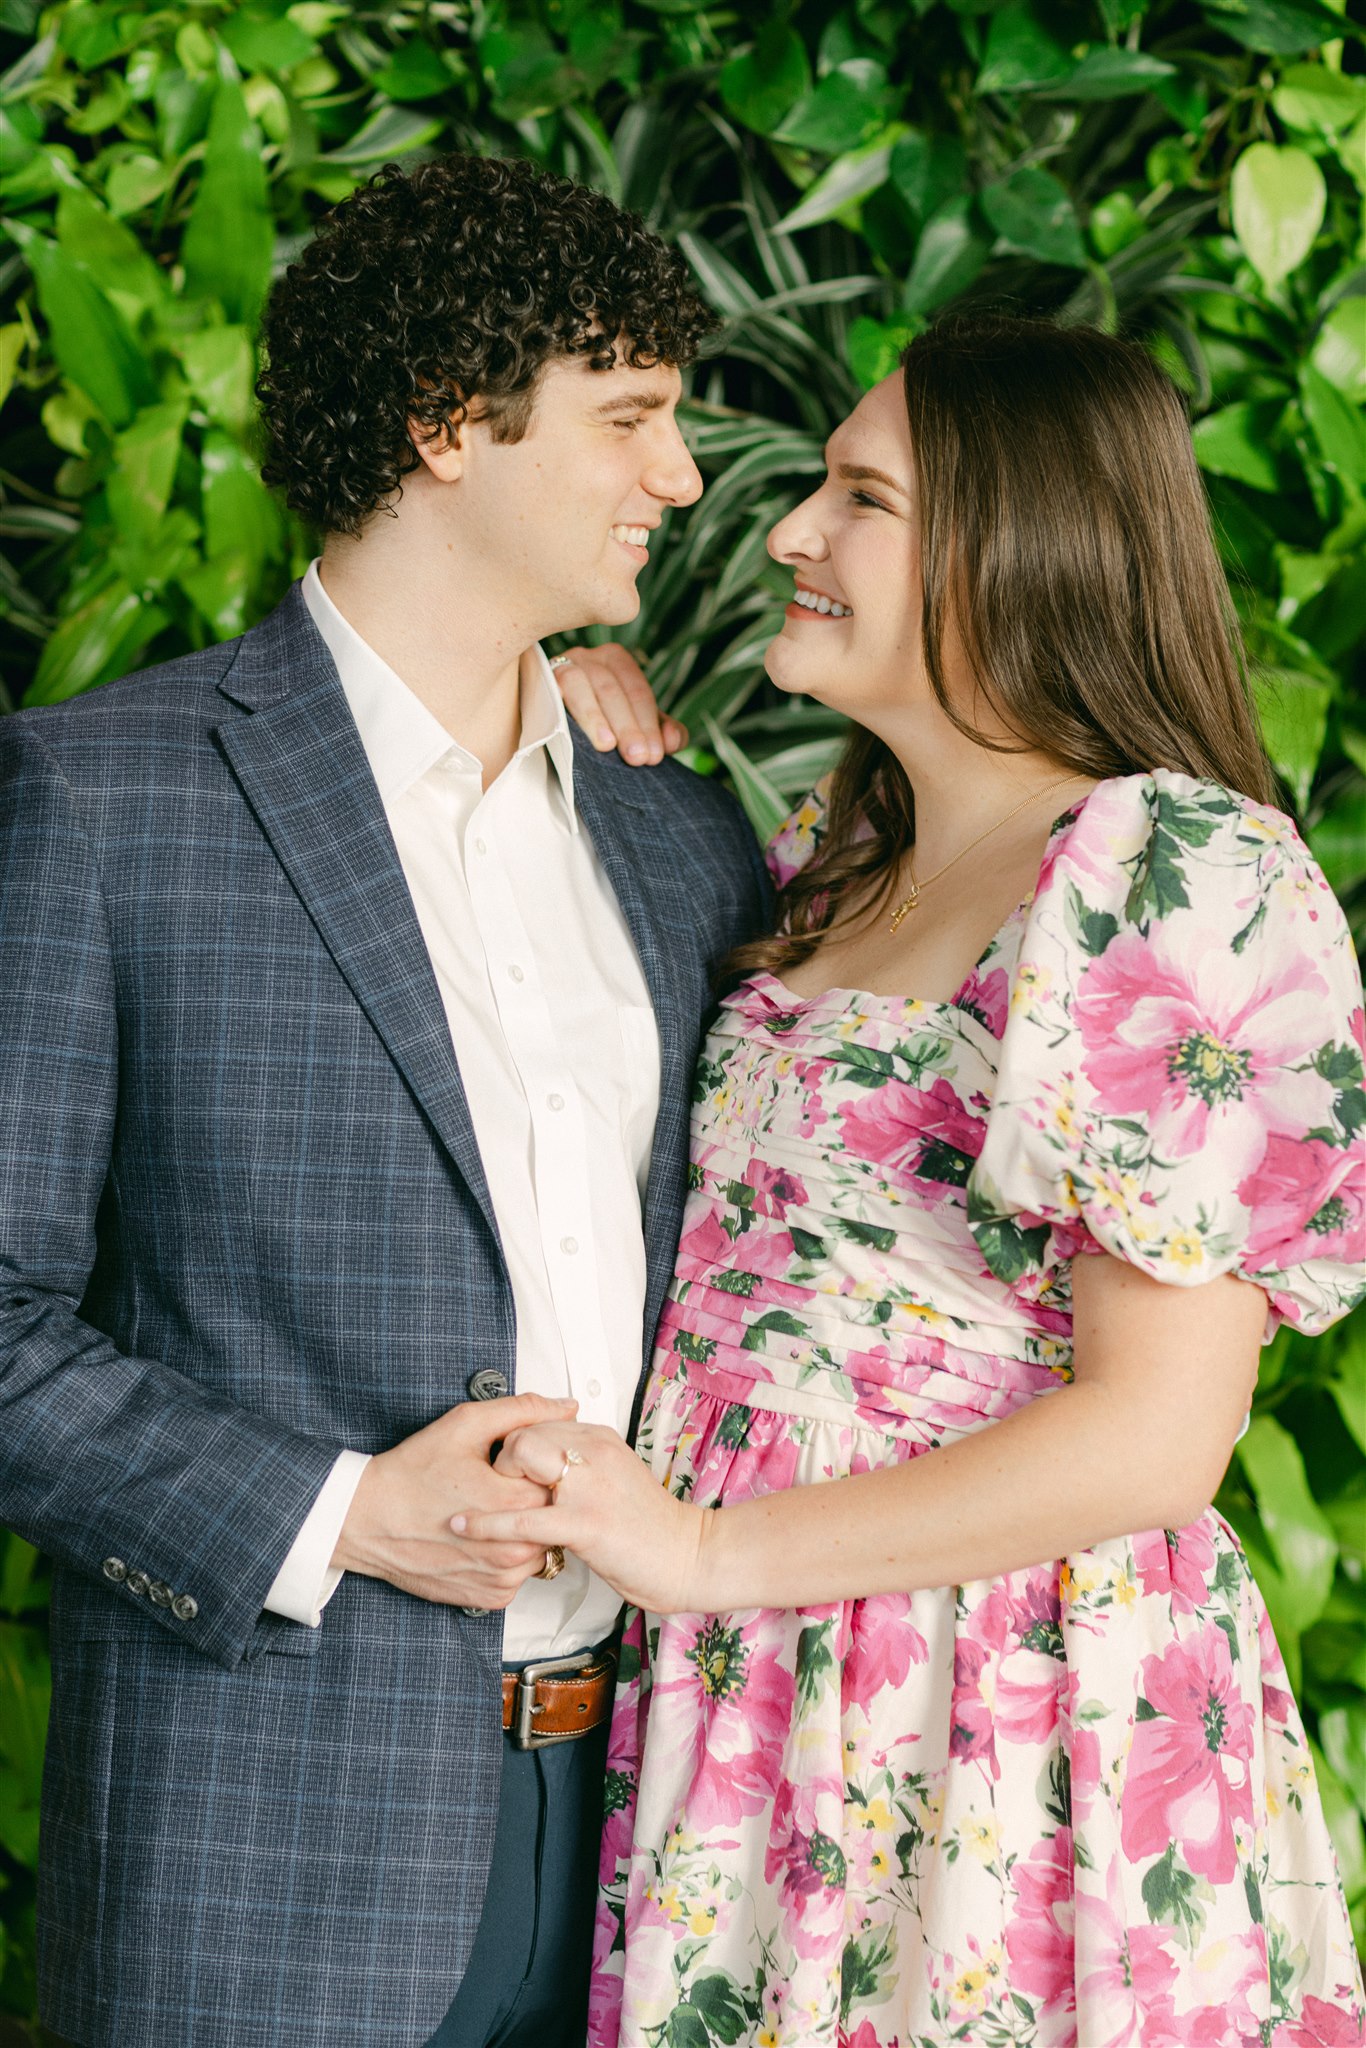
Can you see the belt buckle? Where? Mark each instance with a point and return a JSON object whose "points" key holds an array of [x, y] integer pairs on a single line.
{"points": [[523, 1706]]}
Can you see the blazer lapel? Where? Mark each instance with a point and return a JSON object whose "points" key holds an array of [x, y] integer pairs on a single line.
{"points": [[304, 772], [627, 838]]}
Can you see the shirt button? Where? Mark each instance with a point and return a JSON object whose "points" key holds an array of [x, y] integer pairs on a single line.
{"points": [[555, 1101], [481, 846], [595, 1388], [569, 1245], [516, 974]]}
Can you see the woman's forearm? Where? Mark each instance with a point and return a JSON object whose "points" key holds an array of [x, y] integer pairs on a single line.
{"points": [[1059, 1475]]}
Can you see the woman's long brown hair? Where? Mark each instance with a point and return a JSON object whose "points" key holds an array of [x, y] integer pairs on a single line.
{"points": [[1065, 536]]}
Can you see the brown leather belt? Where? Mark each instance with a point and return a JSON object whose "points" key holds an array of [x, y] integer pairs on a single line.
{"points": [[556, 1699]]}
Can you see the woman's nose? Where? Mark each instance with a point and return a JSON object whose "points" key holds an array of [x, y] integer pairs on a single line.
{"points": [[797, 536]]}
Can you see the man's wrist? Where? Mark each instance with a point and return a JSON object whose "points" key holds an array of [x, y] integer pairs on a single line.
{"points": [[351, 1552]]}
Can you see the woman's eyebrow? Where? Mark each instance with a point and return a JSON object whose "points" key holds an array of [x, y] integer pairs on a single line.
{"points": [[858, 473]]}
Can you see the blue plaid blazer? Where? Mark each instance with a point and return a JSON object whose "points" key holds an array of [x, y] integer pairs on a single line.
{"points": [[243, 1222]]}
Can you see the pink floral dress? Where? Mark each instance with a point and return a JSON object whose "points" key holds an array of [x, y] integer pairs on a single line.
{"points": [[1074, 1804]]}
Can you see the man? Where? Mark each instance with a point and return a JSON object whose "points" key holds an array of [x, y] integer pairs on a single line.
{"points": [[349, 1007]]}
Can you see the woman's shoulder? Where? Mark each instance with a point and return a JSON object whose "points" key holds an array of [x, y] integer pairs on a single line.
{"points": [[1150, 848]]}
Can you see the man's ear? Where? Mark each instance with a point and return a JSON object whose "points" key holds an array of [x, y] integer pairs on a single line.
{"points": [[441, 452]]}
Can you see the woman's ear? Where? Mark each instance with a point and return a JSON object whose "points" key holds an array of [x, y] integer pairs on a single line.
{"points": [[441, 451]]}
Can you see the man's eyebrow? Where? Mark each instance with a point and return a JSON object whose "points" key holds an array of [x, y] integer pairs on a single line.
{"points": [[644, 401]]}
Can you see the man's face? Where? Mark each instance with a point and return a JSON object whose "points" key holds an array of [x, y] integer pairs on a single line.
{"points": [[556, 527]]}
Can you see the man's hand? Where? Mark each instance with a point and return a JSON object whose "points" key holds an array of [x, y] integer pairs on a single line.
{"points": [[398, 1526]]}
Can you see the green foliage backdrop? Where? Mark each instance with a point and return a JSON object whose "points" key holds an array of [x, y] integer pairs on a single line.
{"points": [[837, 171]]}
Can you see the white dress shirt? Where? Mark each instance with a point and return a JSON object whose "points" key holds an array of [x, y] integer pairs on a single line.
{"points": [[558, 1051]]}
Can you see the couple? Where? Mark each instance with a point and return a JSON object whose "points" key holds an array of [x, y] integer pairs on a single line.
{"points": [[352, 1007]]}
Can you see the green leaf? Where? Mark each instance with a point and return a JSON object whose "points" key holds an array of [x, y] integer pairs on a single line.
{"points": [[389, 132], [1317, 101], [849, 179], [1336, 424], [101, 639], [25, 1696], [13, 340], [1296, 1527], [718, 1998], [1278, 199], [1293, 710], [1032, 212], [90, 338], [1284, 27], [1112, 74], [949, 256], [263, 40], [415, 72], [1338, 840], [230, 237], [110, 251], [764, 806], [240, 518], [1021, 55], [847, 109], [687, 2028], [220, 366], [875, 348], [1340, 350], [928, 169], [1235, 442], [765, 81], [145, 454]]}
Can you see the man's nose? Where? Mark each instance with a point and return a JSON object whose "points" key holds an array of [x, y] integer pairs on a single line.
{"points": [[675, 477]]}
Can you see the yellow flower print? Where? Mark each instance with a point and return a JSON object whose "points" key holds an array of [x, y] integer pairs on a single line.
{"points": [[878, 1814], [1032, 985], [769, 2037], [981, 1838], [1185, 1249], [969, 1989], [1065, 1113], [1126, 1587]]}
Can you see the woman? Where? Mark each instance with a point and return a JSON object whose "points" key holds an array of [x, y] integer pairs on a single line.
{"points": [[961, 1719]]}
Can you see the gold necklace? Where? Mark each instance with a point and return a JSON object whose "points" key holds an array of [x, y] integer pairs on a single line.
{"points": [[910, 902]]}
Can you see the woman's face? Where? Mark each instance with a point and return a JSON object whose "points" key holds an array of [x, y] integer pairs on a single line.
{"points": [[856, 542]]}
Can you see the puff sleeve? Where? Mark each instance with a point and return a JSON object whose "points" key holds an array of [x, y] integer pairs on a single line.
{"points": [[1180, 1081]]}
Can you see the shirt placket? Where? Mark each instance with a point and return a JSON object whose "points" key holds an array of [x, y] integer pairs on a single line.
{"points": [[559, 1151]]}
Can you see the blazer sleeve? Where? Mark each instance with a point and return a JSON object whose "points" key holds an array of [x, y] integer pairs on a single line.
{"points": [[177, 1502]]}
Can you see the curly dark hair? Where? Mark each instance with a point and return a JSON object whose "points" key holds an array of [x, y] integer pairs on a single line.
{"points": [[432, 288]]}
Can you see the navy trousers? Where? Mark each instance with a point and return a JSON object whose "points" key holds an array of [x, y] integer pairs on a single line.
{"points": [[526, 1985]]}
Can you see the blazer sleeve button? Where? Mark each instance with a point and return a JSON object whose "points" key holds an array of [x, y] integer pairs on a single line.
{"points": [[184, 1607], [115, 1569], [488, 1385], [137, 1582], [159, 1593]]}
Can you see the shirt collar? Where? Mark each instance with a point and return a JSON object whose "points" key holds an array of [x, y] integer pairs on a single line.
{"points": [[402, 738]]}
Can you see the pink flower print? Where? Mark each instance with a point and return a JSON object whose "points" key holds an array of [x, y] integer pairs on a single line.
{"points": [[1189, 1773], [1321, 2025], [730, 1704], [883, 1645], [987, 996], [1039, 1930], [922, 1133], [1201, 1042], [1276, 1701], [810, 1862], [1032, 1672], [1122, 1972], [1176, 1563], [863, 2036], [775, 1185], [1308, 1201]]}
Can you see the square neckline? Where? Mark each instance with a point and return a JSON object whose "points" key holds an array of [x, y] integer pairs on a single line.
{"points": [[954, 1002]]}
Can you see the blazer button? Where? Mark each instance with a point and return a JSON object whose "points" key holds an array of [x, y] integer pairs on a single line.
{"points": [[114, 1568], [159, 1593], [184, 1607], [137, 1582], [488, 1385]]}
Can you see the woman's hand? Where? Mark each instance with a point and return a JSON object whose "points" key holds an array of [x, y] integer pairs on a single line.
{"points": [[606, 692], [607, 1508]]}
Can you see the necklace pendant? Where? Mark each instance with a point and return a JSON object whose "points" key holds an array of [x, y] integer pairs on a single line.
{"points": [[905, 907]]}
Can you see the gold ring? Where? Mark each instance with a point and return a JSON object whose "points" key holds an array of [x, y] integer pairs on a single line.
{"points": [[561, 661], [554, 1563]]}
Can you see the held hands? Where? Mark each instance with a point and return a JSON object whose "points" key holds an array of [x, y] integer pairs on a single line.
{"points": [[607, 692], [608, 1508], [401, 1525]]}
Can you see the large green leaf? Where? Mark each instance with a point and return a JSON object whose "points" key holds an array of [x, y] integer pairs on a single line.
{"points": [[91, 340], [949, 256], [765, 82], [1293, 709], [231, 234], [1032, 212], [1300, 1535], [1278, 199], [1236, 441], [1337, 425], [1021, 54], [849, 179], [25, 1694]]}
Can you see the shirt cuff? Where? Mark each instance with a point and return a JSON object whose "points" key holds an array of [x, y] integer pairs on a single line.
{"points": [[306, 1580]]}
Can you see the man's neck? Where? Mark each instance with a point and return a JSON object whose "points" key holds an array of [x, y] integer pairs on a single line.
{"points": [[460, 659]]}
